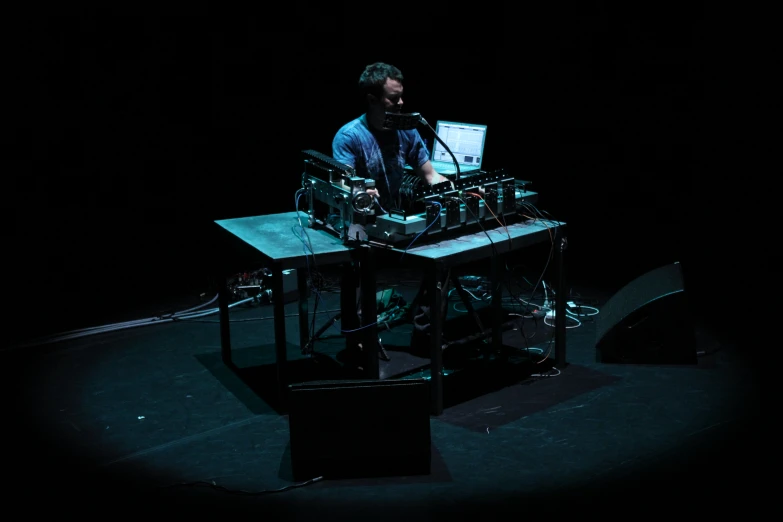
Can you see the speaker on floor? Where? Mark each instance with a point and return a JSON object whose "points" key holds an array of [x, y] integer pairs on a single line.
{"points": [[648, 321], [360, 428]]}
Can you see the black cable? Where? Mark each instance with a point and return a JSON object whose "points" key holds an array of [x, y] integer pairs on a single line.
{"points": [[478, 222], [249, 320], [212, 485], [537, 214], [504, 282], [525, 309], [440, 207]]}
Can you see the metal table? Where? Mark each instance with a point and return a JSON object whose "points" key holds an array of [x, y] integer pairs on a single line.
{"points": [[436, 258], [274, 239]]}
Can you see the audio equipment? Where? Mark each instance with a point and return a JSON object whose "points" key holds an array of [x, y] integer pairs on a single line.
{"points": [[360, 428], [452, 208], [480, 198], [647, 321], [342, 194]]}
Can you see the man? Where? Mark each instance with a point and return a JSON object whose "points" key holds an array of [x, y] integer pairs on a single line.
{"points": [[380, 154], [376, 152]]}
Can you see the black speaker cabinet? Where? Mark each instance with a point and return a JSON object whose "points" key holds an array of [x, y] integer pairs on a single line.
{"points": [[364, 428], [647, 322]]}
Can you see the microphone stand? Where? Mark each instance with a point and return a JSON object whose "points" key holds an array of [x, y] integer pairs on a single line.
{"points": [[409, 121]]}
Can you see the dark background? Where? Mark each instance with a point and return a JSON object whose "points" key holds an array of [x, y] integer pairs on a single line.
{"points": [[133, 134]]}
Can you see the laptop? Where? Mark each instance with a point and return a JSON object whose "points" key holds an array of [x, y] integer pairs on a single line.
{"points": [[466, 142]]}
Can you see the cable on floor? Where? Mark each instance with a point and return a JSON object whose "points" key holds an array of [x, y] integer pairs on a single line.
{"points": [[223, 489]]}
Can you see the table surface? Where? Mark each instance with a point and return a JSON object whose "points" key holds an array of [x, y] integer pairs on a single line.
{"points": [[281, 238], [480, 244]]}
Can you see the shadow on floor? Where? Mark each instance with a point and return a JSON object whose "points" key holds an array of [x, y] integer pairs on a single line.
{"points": [[256, 385], [511, 399]]}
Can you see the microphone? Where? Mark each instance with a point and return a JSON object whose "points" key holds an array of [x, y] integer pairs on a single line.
{"points": [[400, 121]]}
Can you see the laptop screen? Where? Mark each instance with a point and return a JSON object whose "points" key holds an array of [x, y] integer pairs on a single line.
{"points": [[466, 142]]}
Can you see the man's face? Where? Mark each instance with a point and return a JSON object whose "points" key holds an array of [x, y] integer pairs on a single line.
{"points": [[392, 96]]}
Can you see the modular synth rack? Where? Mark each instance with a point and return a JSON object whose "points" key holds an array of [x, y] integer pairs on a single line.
{"points": [[477, 199]]}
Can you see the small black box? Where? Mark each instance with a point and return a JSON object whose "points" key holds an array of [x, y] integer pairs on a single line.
{"points": [[360, 428]]}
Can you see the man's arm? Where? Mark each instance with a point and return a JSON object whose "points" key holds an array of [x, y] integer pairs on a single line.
{"points": [[344, 150], [427, 171]]}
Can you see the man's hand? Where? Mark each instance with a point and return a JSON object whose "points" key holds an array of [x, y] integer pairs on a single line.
{"points": [[441, 178], [373, 192]]}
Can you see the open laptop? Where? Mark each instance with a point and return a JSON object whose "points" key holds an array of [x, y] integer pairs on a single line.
{"points": [[466, 142]]}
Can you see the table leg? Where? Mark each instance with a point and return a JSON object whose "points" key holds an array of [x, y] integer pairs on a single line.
{"points": [[369, 333], [560, 302], [349, 321], [435, 289], [496, 275], [278, 307], [225, 325], [304, 313]]}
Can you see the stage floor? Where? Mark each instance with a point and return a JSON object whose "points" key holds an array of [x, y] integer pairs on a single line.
{"points": [[146, 419]]}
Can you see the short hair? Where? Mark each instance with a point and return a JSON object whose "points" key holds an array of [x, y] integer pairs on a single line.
{"points": [[374, 77]]}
